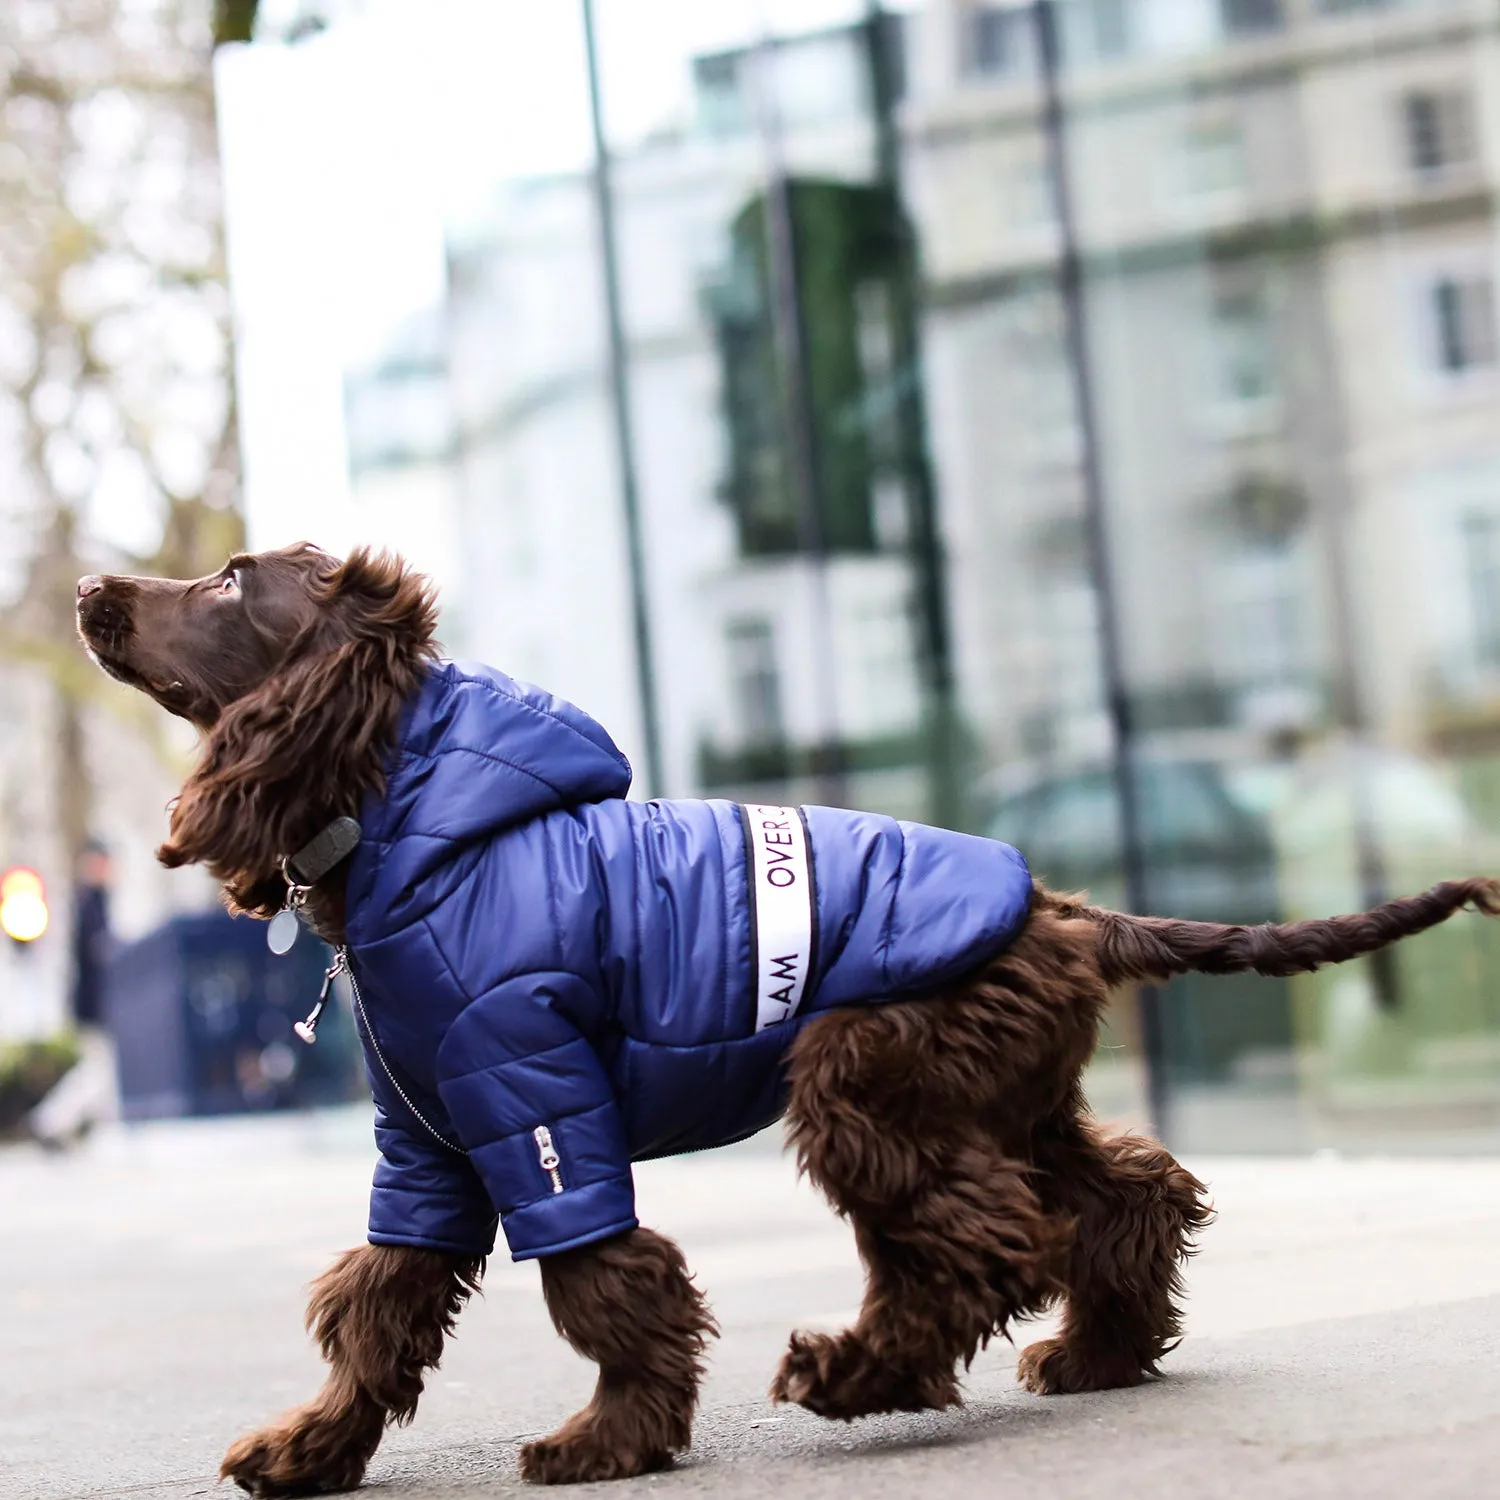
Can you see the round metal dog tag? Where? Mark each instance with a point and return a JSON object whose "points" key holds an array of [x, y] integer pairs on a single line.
{"points": [[282, 932]]}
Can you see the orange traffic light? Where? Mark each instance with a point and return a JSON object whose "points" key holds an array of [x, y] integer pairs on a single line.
{"points": [[23, 905]]}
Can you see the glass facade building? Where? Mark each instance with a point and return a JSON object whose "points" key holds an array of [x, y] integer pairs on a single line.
{"points": [[1034, 415]]}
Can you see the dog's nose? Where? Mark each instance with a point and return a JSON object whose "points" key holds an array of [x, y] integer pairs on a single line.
{"points": [[89, 585]]}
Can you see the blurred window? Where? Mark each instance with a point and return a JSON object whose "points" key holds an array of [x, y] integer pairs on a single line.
{"points": [[755, 682], [1439, 131], [1463, 322], [872, 310], [1243, 349], [1259, 592], [999, 41], [1482, 555], [886, 677], [890, 507], [719, 85], [820, 79], [397, 418], [1046, 408], [1070, 613], [1174, 28], [398, 409], [1105, 28], [1213, 156], [877, 368], [845, 247], [1033, 195], [1250, 17]]}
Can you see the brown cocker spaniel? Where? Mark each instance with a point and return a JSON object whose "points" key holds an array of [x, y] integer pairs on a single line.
{"points": [[950, 1129]]}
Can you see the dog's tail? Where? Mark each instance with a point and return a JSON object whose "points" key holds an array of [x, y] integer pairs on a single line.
{"points": [[1156, 948]]}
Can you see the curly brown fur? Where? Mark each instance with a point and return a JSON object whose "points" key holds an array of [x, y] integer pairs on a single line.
{"points": [[629, 1305], [380, 1315], [1136, 1214], [949, 1130], [1156, 948], [296, 667], [915, 1120], [952, 1132]]}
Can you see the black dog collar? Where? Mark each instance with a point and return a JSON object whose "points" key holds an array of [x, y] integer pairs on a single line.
{"points": [[303, 870], [322, 852]]}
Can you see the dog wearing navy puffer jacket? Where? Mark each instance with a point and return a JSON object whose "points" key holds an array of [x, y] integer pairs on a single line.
{"points": [[639, 998], [552, 981]]}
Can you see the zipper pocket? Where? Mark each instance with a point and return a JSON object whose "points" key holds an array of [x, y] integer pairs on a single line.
{"points": [[546, 1154]]}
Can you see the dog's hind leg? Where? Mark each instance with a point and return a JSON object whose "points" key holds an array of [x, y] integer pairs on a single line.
{"points": [[947, 1269], [954, 1239], [381, 1314], [1137, 1213], [629, 1305]]}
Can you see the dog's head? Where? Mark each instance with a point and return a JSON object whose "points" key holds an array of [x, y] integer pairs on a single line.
{"points": [[295, 664], [198, 645]]}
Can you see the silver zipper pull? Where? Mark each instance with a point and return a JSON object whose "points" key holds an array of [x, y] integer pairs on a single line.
{"points": [[546, 1153], [308, 1030]]}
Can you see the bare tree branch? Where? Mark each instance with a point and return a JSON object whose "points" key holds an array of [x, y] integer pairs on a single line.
{"points": [[116, 378]]}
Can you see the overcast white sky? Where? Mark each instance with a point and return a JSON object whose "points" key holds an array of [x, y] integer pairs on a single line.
{"points": [[346, 154]]}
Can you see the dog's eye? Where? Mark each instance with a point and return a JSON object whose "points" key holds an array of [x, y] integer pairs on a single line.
{"points": [[231, 584]]}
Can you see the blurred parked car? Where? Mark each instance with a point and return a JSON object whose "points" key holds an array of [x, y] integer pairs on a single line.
{"points": [[1209, 856]]}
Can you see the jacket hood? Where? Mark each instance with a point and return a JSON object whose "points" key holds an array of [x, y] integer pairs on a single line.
{"points": [[477, 753]]}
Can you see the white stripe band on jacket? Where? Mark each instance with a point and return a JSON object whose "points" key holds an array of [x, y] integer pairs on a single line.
{"points": [[781, 876]]}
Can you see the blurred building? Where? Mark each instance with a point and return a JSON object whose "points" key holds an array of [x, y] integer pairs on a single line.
{"points": [[403, 486], [1288, 226], [1285, 227], [1286, 243], [783, 651], [1287, 217]]}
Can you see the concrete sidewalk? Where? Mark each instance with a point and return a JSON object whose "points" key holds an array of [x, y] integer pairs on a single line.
{"points": [[1343, 1335]]}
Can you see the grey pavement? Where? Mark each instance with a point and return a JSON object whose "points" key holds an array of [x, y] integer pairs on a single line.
{"points": [[1343, 1335]]}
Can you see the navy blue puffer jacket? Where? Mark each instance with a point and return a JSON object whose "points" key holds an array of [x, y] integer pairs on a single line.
{"points": [[553, 982]]}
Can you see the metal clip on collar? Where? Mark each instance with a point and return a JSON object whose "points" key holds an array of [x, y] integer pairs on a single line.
{"points": [[308, 1030], [282, 933], [301, 872]]}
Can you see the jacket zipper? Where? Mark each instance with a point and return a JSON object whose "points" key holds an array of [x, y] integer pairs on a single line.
{"points": [[415, 1113], [546, 1153]]}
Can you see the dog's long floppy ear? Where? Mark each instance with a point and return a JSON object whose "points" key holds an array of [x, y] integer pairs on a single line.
{"points": [[303, 748]]}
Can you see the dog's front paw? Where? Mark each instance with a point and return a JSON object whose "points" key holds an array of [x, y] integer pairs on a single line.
{"points": [[840, 1377], [1055, 1367], [300, 1457], [579, 1451]]}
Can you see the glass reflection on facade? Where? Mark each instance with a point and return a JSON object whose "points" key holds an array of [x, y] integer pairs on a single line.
{"points": [[861, 473]]}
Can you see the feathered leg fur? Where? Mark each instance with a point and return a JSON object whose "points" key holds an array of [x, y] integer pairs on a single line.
{"points": [[381, 1314], [629, 1305]]}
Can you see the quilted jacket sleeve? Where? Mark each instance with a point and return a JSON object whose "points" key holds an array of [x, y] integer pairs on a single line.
{"points": [[424, 1194], [531, 1101]]}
